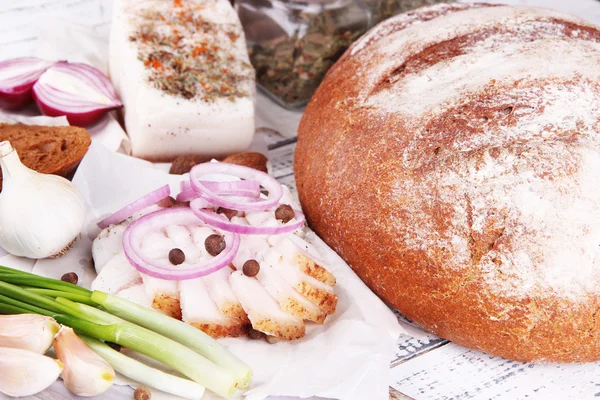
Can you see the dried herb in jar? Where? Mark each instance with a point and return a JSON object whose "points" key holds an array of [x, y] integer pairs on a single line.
{"points": [[384, 9], [291, 66], [291, 63]]}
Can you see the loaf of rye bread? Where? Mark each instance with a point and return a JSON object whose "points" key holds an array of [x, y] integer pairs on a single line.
{"points": [[452, 158], [47, 149]]}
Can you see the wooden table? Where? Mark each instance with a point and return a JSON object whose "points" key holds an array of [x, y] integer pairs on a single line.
{"points": [[430, 368]]}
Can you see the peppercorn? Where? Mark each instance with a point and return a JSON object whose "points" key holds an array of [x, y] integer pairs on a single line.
{"points": [[227, 212], [142, 393], [176, 256], [70, 277], [285, 213], [254, 334], [214, 244], [167, 202], [251, 268]]}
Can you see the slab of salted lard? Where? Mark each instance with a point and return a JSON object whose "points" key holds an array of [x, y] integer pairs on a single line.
{"points": [[264, 312], [313, 289], [182, 71], [199, 310], [164, 294], [219, 289], [288, 298], [303, 255], [116, 275], [136, 294], [217, 283], [110, 240], [107, 244]]}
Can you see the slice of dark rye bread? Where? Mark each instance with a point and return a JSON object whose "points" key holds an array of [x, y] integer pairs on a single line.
{"points": [[47, 149]]}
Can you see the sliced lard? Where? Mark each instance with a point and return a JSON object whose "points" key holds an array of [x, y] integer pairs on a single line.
{"points": [[116, 275], [263, 311], [200, 311]]}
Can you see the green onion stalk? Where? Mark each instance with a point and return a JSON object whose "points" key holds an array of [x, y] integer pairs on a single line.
{"points": [[98, 317]]}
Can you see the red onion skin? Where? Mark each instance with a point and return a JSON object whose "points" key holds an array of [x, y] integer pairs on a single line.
{"points": [[142, 264], [17, 98], [265, 180], [211, 219], [80, 119], [145, 201]]}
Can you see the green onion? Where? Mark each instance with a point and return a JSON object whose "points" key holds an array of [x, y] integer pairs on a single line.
{"points": [[25, 279], [160, 348], [91, 314], [182, 347], [8, 309], [81, 298], [178, 331], [31, 298], [28, 308], [144, 374]]}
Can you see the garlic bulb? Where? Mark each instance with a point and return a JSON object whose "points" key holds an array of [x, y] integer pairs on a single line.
{"points": [[25, 373], [41, 215], [28, 332], [85, 373]]}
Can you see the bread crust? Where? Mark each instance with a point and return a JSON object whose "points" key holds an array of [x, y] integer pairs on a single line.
{"points": [[54, 150], [393, 185]]}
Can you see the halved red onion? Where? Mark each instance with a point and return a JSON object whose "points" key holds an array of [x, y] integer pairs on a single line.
{"points": [[17, 77], [217, 221], [249, 174], [163, 269], [79, 91], [141, 203]]}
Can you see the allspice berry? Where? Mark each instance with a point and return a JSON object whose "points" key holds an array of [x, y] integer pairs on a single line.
{"points": [[254, 334], [285, 213], [214, 244], [251, 268], [176, 256], [142, 393], [114, 346], [70, 277], [229, 213]]}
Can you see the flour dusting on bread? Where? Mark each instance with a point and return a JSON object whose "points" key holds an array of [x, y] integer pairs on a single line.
{"points": [[451, 157]]}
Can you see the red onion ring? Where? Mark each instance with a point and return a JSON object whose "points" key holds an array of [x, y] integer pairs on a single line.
{"points": [[186, 195], [265, 180], [133, 235], [215, 220], [236, 188], [15, 91], [141, 203], [249, 189]]}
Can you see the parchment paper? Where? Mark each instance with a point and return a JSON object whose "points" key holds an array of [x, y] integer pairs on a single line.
{"points": [[346, 358]]}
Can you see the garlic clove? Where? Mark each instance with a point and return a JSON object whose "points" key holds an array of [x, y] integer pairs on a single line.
{"points": [[25, 373], [85, 372], [41, 215], [28, 332]]}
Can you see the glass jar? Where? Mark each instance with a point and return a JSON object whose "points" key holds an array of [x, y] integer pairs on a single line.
{"points": [[293, 43]]}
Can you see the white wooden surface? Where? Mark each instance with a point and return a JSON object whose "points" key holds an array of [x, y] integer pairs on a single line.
{"points": [[423, 369]]}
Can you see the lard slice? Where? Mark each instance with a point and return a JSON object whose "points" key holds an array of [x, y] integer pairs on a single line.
{"points": [[183, 74]]}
